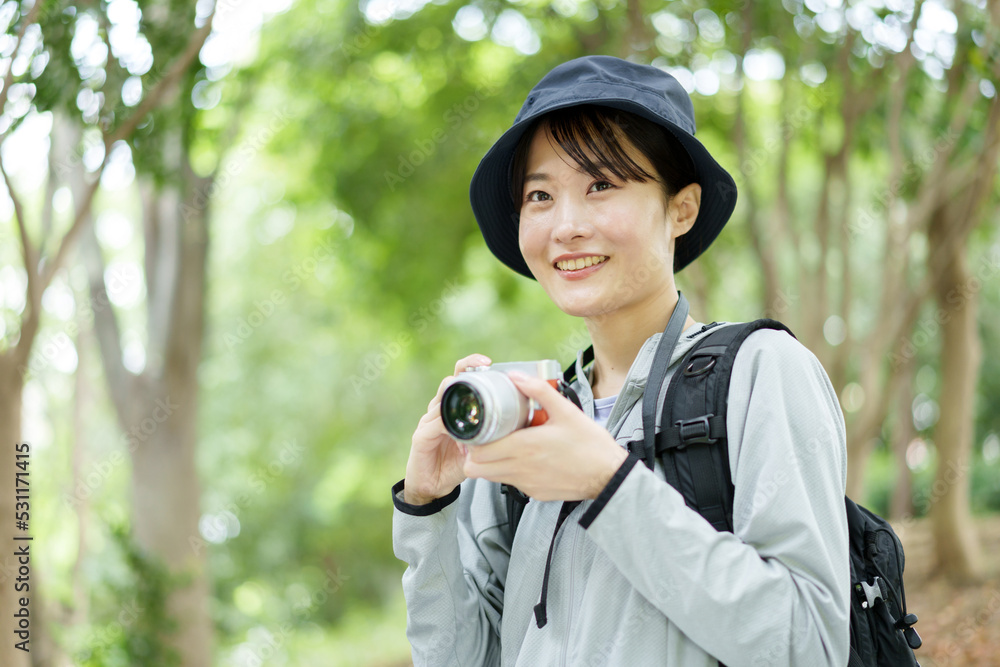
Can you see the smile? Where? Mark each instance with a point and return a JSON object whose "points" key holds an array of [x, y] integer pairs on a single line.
{"points": [[580, 263]]}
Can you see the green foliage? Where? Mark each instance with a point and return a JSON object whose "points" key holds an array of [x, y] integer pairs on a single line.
{"points": [[881, 479], [985, 495], [135, 635], [347, 273]]}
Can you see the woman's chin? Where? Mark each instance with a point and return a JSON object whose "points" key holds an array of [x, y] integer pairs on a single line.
{"points": [[583, 307], [589, 298]]}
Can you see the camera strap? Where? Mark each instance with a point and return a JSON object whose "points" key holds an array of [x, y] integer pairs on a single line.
{"points": [[657, 372]]}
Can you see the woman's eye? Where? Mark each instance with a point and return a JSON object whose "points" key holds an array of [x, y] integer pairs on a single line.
{"points": [[537, 195], [601, 185]]}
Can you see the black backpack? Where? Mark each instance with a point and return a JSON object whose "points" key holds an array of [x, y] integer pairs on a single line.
{"points": [[694, 451]]}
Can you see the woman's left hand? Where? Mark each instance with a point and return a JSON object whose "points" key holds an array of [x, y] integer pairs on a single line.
{"points": [[569, 457]]}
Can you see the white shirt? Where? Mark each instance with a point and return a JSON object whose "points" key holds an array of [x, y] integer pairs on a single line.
{"points": [[602, 409]]}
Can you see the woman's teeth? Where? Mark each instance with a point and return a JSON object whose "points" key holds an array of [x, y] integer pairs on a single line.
{"points": [[580, 263]]}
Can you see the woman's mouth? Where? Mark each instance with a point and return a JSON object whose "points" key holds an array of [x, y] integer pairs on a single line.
{"points": [[580, 263], [579, 268]]}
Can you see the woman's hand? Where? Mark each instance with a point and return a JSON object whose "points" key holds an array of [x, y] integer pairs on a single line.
{"points": [[436, 459], [569, 457]]}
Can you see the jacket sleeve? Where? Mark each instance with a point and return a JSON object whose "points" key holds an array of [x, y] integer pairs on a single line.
{"points": [[455, 582], [775, 592]]}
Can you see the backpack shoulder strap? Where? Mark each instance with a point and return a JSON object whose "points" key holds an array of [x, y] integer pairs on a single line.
{"points": [[516, 502], [570, 373], [693, 442]]}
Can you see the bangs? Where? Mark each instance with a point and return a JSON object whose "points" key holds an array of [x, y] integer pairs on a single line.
{"points": [[594, 139], [599, 139]]}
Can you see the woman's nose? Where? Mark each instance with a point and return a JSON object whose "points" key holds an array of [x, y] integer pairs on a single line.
{"points": [[571, 221]]}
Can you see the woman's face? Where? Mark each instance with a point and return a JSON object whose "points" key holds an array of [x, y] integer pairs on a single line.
{"points": [[599, 246]]}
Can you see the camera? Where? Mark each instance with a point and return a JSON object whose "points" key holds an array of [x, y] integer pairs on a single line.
{"points": [[482, 404]]}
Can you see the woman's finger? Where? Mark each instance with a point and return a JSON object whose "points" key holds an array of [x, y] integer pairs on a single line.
{"points": [[498, 450], [551, 400], [472, 360]]}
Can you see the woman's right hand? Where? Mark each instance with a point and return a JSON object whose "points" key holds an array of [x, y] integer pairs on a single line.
{"points": [[436, 462]]}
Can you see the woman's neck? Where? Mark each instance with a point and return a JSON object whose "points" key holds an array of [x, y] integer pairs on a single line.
{"points": [[618, 338]]}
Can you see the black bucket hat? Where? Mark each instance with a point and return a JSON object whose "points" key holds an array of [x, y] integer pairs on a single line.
{"points": [[644, 90]]}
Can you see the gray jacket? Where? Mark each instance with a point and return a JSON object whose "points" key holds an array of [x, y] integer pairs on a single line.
{"points": [[638, 578]]}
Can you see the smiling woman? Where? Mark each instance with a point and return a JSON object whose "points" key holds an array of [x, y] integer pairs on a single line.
{"points": [[600, 192]]}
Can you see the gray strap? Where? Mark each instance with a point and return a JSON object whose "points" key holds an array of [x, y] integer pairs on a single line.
{"points": [[657, 372]]}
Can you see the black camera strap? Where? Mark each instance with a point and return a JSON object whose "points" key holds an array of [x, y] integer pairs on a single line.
{"points": [[661, 361]]}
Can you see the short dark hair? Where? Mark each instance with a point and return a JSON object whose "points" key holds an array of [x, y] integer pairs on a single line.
{"points": [[594, 136]]}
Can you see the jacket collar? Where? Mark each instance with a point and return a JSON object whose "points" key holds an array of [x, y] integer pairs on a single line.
{"points": [[624, 420]]}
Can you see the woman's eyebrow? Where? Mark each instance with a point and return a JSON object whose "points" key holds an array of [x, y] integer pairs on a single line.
{"points": [[537, 176]]}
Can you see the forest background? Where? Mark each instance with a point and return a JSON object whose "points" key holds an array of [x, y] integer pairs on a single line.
{"points": [[237, 256]]}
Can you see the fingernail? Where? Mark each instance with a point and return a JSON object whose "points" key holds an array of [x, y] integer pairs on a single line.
{"points": [[518, 375]]}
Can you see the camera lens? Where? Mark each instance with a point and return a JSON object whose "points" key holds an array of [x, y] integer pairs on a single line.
{"points": [[463, 411]]}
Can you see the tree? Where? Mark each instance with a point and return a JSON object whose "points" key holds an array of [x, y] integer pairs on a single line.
{"points": [[55, 83]]}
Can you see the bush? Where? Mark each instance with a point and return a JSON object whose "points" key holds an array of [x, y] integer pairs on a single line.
{"points": [[132, 631]]}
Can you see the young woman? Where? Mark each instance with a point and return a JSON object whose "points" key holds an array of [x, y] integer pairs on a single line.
{"points": [[600, 192]]}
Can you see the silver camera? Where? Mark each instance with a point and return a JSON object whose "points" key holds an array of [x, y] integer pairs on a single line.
{"points": [[482, 404]]}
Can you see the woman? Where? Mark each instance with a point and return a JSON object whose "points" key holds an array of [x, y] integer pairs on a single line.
{"points": [[600, 192]]}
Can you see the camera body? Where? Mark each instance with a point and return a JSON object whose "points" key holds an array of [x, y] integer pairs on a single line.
{"points": [[482, 404]]}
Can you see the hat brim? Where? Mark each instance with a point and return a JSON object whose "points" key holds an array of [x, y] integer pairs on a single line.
{"points": [[498, 219]]}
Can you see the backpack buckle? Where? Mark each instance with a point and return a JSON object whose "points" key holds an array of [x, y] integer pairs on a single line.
{"points": [[870, 593], [695, 431]]}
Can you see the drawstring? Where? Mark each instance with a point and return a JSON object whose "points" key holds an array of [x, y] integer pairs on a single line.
{"points": [[540, 617]]}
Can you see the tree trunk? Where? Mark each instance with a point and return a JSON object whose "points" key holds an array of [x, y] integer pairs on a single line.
{"points": [[165, 474], [863, 430], [762, 229], [637, 40], [82, 407], [165, 496], [956, 290], [955, 545], [158, 409], [11, 388], [879, 381], [901, 502], [14, 360], [45, 651]]}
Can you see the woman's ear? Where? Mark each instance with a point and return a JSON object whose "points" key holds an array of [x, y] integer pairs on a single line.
{"points": [[684, 207]]}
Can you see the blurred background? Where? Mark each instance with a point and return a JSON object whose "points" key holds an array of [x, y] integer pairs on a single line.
{"points": [[237, 257]]}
